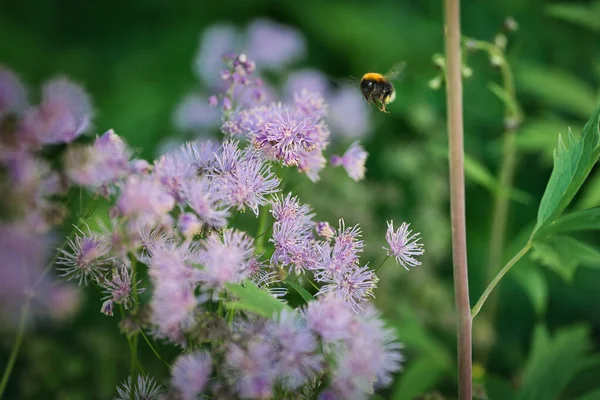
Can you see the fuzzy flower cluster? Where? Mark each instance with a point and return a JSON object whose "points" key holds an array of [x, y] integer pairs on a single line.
{"points": [[171, 234], [325, 342]]}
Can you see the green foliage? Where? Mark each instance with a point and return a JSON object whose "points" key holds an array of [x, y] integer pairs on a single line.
{"points": [[419, 376], [498, 389], [553, 362], [540, 136], [252, 299], [592, 395], [563, 254], [556, 88], [572, 165], [587, 17], [532, 280], [585, 220], [306, 296], [479, 174]]}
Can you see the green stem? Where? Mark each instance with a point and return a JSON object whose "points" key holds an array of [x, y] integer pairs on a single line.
{"points": [[454, 95], [133, 360], [152, 348], [498, 277], [16, 346], [262, 222], [383, 262]]}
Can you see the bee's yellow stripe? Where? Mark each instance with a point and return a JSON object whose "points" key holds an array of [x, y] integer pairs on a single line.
{"points": [[373, 76]]}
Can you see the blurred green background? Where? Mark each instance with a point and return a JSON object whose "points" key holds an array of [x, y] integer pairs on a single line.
{"points": [[135, 58]]}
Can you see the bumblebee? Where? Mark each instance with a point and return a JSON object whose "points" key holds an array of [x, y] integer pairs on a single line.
{"points": [[378, 88]]}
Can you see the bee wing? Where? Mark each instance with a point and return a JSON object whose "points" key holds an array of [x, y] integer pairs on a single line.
{"points": [[396, 70]]}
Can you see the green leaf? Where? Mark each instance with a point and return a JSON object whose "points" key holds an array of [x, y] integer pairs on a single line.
{"points": [[587, 17], [564, 254], [591, 395], [553, 362], [556, 88], [572, 165], [419, 376], [306, 296], [540, 136], [253, 299], [585, 220], [498, 389], [532, 280]]}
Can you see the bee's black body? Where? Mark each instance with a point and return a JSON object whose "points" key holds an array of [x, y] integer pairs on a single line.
{"points": [[376, 88]]}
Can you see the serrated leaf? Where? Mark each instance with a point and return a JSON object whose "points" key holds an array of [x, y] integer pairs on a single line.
{"points": [[253, 299], [553, 362], [587, 17], [585, 220], [564, 254], [572, 165], [306, 296], [541, 136], [556, 88], [419, 376], [532, 280]]}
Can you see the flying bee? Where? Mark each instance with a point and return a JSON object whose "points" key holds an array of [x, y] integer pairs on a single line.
{"points": [[378, 88]]}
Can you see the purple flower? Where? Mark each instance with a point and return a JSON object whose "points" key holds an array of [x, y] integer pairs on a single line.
{"points": [[289, 209], [106, 161], [270, 281], [294, 246], [311, 80], [13, 96], [146, 389], [119, 289], [173, 303], [64, 113], [205, 202], [273, 45], [247, 184], [330, 317], [173, 169], [189, 225], [285, 135], [224, 260], [86, 257], [353, 161], [354, 286], [311, 163], [348, 114], [255, 369], [371, 357], [217, 40], [310, 104], [144, 194], [195, 114], [202, 153], [190, 374], [325, 230], [297, 359], [404, 245]]}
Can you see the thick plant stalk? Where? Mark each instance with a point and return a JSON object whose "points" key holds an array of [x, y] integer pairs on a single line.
{"points": [[457, 196]]}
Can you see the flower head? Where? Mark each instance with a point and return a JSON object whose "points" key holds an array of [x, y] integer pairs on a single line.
{"points": [[64, 113], [297, 359], [119, 289], [354, 286], [404, 245], [206, 202], [13, 96], [86, 258], [144, 195], [254, 367], [145, 389], [274, 45], [353, 161], [330, 317], [190, 374]]}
